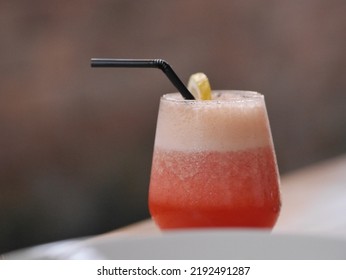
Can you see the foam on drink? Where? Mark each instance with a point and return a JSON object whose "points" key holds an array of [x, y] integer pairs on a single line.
{"points": [[231, 121]]}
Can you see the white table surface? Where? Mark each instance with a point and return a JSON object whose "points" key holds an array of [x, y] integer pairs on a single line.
{"points": [[313, 202], [314, 199]]}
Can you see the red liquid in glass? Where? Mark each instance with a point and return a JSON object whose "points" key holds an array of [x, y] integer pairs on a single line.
{"points": [[214, 189]]}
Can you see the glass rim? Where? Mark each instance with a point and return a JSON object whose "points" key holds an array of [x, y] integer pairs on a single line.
{"points": [[232, 96]]}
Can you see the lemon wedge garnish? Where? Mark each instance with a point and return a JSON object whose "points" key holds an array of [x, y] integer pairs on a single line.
{"points": [[199, 86]]}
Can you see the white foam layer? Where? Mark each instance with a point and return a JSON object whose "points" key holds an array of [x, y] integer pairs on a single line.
{"points": [[233, 120]]}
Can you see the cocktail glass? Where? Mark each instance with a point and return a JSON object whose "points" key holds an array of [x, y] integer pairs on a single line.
{"points": [[214, 163]]}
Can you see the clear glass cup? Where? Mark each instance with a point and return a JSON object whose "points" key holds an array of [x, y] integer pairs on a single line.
{"points": [[214, 163]]}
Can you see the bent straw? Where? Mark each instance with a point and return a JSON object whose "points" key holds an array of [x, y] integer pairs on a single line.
{"points": [[145, 63]]}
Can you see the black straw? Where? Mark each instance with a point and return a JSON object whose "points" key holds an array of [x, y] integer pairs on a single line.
{"points": [[145, 63]]}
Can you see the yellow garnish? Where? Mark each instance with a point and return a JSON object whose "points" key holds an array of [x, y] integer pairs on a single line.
{"points": [[199, 86]]}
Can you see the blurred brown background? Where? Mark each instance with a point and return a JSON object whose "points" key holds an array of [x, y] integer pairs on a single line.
{"points": [[76, 142]]}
